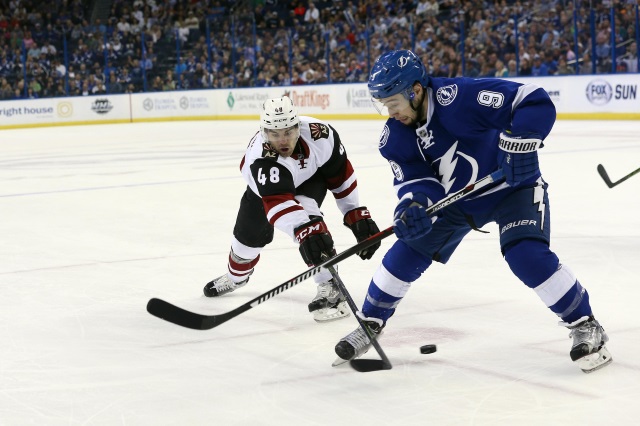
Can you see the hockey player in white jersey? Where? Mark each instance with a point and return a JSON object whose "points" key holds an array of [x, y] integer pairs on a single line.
{"points": [[443, 134], [289, 166]]}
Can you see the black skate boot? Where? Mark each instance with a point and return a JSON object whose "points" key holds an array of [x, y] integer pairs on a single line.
{"points": [[357, 343]]}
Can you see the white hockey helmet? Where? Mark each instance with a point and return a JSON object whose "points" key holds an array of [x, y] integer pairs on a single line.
{"points": [[278, 113]]}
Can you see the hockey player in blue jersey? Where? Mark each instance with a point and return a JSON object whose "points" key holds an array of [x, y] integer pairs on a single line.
{"points": [[443, 134]]}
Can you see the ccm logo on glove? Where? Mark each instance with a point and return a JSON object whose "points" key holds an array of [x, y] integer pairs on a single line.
{"points": [[311, 228]]}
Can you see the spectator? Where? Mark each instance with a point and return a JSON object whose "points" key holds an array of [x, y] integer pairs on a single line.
{"points": [[115, 86], [312, 15], [299, 10], [630, 58], [603, 53], [539, 69], [192, 23], [123, 26], [550, 63], [563, 68], [34, 51], [512, 68], [501, 69], [99, 88], [586, 65], [48, 49]]}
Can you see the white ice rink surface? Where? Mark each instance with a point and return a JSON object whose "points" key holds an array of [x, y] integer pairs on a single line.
{"points": [[96, 220]]}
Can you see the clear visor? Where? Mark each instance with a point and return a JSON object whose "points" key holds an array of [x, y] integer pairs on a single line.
{"points": [[391, 105], [275, 135]]}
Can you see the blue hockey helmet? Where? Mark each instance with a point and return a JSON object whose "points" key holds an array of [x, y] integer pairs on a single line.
{"points": [[396, 72]]}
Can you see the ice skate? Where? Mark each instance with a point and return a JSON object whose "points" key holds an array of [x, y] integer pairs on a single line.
{"points": [[588, 350], [357, 343], [329, 304], [222, 285]]}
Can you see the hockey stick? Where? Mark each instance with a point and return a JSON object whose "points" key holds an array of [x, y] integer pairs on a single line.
{"points": [[605, 176], [184, 318], [362, 365], [179, 316]]}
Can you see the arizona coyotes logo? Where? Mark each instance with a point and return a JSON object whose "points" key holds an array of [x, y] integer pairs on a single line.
{"points": [[319, 131], [268, 151]]}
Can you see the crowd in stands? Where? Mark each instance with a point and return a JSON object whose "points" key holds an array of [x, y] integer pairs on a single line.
{"points": [[51, 49]]}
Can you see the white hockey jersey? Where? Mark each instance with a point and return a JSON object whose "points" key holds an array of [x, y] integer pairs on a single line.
{"points": [[275, 178]]}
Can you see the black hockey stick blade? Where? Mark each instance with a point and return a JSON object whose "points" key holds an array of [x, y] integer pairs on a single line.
{"points": [[368, 365], [176, 315], [605, 176]]}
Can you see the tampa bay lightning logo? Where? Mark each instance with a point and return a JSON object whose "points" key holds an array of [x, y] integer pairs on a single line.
{"points": [[403, 61], [384, 137], [448, 165], [445, 95]]}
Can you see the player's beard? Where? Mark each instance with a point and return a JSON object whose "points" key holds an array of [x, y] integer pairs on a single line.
{"points": [[420, 109]]}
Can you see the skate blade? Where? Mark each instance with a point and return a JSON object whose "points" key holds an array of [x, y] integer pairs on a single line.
{"points": [[339, 361], [331, 314], [595, 361]]}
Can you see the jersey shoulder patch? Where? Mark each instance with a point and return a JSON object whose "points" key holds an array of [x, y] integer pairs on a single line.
{"points": [[268, 152], [319, 131]]}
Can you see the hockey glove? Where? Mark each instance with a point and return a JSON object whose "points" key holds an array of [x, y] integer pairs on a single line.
{"points": [[410, 219], [360, 222], [315, 241], [518, 157]]}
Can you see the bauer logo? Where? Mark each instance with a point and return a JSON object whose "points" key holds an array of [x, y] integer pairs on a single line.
{"points": [[101, 106], [447, 94], [599, 92]]}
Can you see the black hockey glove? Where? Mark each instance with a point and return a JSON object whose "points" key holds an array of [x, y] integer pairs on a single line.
{"points": [[360, 222], [315, 241]]}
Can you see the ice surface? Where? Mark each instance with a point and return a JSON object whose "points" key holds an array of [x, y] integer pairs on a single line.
{"points": [[96, 220]]}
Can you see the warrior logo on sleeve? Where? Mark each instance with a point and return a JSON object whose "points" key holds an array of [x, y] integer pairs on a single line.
{"points": [[319, 131]]}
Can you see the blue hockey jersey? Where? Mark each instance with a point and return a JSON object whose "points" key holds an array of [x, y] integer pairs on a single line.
{"points": [[459, 142]]}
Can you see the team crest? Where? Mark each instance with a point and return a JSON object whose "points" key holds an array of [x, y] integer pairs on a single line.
{"points": [[268, 151], [384, 137], [447, 94], [319, 131]]}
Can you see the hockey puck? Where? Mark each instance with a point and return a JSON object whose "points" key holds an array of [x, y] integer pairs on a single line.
{"points": [[428, 349]]}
